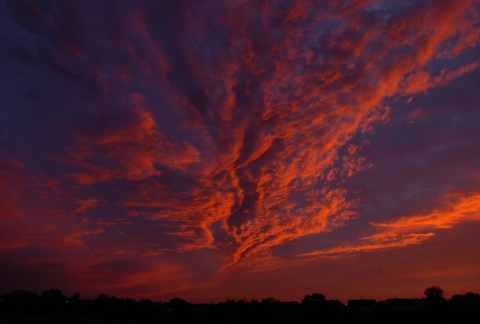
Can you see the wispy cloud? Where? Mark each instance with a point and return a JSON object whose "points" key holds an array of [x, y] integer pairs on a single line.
{"points": [[411, 229]]}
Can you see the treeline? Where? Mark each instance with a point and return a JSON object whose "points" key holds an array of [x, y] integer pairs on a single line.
{"points": [[314, 308]]}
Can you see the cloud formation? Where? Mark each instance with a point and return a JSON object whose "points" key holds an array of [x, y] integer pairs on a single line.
{"points": [[239, 130]]}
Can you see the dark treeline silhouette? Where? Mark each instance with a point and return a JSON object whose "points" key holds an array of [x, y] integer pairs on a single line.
{"points": [[315, 308]]}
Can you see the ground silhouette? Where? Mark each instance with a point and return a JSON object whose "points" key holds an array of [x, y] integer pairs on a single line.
{"points": [[53, 306]]}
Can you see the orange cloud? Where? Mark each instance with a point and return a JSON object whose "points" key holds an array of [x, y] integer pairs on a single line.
{"points": [[244, 143], [275, 158], [414, 114], [463, 208], [196, 141], [135, 148], [372, 243], [410, 230], [300, 102], [422, 81]]}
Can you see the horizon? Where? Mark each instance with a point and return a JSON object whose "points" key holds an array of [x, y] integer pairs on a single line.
{"points": [[419, 295], [79, 296], [240, 149]]}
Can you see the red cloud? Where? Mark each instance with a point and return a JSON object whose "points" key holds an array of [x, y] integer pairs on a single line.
{"points": [[232, 130], [135, 146], [463, 208], [310, 104], [413, 229]]}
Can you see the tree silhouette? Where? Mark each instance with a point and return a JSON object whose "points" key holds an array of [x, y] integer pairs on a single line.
{"points": [[21, 301], [315, 297], [52, 306], [433, 292], [435, 303], [469, 300], [179, 305]]}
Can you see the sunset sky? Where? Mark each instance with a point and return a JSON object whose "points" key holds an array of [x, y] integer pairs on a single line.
{"points": [[214, 150]]}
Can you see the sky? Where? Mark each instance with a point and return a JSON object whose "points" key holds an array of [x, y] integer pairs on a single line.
{"points": [[213, 150]]}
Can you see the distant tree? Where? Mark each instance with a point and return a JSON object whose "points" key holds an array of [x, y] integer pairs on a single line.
{"points": [[468, 300], [53, 302], [20, 300], [313, 298], [434, 298], [21, 296], [179, 309], [472, 298], [54, 297], [433, 292], [313, 307], [179, 305], [74, 298], [269, 300]]}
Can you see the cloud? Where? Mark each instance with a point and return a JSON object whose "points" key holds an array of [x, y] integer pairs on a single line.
{"points": [[465, 208], [414, 114], [73, 240], [237, 129], [14, 234], [136, 278], [371, 243], [132, 143], [299, 102], [421, 81], [85, 204], [11, 171], [411, 229]]}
